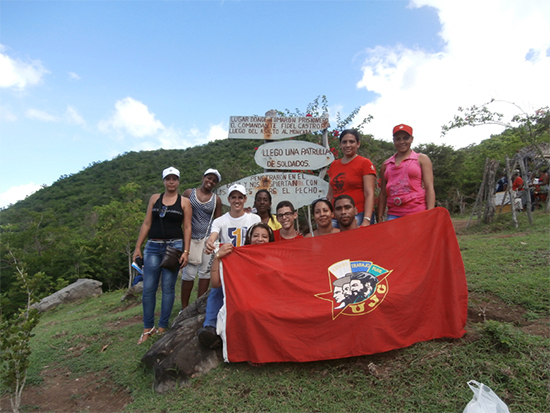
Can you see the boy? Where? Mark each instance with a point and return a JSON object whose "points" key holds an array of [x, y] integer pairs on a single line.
{"points": [[229, 228], [286, 215]]}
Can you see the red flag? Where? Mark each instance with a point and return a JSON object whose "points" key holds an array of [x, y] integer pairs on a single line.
{"points": [[359, 292]]}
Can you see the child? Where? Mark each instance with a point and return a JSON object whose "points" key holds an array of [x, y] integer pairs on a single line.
{"points": [[286, 215]]}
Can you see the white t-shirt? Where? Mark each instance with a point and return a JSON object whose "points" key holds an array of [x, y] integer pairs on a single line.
{"points": [[233, 230]]}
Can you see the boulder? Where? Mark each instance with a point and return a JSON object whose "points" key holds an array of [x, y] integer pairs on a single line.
{"points": [[133, 292], [82, 288], [178, 356]]}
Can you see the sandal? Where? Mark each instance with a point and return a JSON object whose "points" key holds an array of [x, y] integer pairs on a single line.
{"points": [[161, 331], [145, 335]]}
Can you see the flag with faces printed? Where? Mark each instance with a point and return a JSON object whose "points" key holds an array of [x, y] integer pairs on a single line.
{"points": [[352, 293]]}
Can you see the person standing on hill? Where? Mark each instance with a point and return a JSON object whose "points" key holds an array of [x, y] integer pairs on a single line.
{"points": [[162, 226], [286, 215], [206, 207], [230, 228], [353, 175], [344, 212], [407, 179], [262, 204]]}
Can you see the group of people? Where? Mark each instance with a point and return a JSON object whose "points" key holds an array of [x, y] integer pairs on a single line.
{"points": [[406, 187], [537, 189]]}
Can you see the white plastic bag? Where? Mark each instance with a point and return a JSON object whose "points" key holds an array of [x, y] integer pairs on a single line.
{"points": [[485, 400]]}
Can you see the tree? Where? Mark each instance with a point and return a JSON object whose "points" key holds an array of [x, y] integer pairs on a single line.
{"points": [[15, 337], [532, 128], [117, 229]]}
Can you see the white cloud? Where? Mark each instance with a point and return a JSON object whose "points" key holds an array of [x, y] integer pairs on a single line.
{"points": [[18, 74], [132, 117], [495, 49], [40, 115], [74, 76], [17, 193], [73, 116], [217, 132]]}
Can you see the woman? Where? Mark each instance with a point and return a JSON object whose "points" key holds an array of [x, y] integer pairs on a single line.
{"points": [[323, 213], [355, 176], [206, 207], [259, 233], [163, 227], [407, 182], [262, 204]]}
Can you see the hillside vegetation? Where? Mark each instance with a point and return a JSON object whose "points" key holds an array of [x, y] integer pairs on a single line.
{"points": [[85, 358], [86, 224]]}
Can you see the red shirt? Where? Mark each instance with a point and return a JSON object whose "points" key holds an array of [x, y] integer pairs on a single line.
{"points": [[348, 179], [277, 235], [518, 184]]}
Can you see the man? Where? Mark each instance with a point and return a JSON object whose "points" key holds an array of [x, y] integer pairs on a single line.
{"points": [[362, 285], [229, 228], [344, 212], [341, 291], [206, 207], [286, 215]]}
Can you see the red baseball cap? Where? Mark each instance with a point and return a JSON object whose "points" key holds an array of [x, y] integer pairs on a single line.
{"points": [[403, 127]]}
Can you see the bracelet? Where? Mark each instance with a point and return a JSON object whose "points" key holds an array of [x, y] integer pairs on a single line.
{"points": [[185, 251], [367, 218], [217, 255]]}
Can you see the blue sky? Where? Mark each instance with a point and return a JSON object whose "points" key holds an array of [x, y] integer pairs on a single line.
{"points": [[83, 81]]}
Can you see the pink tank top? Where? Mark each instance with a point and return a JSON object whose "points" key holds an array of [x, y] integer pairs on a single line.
{"points": [[405, 194]]}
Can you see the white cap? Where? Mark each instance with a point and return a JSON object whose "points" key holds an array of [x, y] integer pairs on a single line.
{"points": [[170, 171], [238, 188], [213, 171]]}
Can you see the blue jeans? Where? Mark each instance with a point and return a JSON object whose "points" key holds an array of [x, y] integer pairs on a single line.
{"points": [[392, 217], [213, 306], [152, 257]]}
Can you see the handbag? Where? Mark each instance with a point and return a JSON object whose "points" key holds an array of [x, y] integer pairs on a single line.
{"points": [[197, 245], [171, 259]]}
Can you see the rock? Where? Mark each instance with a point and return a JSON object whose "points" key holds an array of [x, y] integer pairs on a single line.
{"points": [[178, 356], [133, 292], [82, 288]]}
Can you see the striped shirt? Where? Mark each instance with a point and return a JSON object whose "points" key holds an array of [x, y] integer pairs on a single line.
{"points": [[202, 215]]}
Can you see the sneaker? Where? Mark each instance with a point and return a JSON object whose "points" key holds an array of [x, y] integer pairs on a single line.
{"points": [[208, 337]]}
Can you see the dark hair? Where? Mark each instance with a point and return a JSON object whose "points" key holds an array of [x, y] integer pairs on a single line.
{"points": [[283, 204], [326, 201], [344, 196], [270, 201], [353, 132], [250, 230], [365, 278]]}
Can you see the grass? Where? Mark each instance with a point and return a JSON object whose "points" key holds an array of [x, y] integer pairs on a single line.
{"points": [[510, 263], [501, 261]]}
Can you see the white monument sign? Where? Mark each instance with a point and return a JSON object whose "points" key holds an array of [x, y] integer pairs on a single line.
{"points": [[276, 127], [299, 188], [293, 155]]}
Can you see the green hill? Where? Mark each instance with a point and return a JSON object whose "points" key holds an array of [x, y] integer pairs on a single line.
{"points": [[85, 224]]}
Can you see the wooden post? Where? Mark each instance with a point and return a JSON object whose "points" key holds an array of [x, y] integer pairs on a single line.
{"points": [[479, 194], [525, 178], [490, 192], [509, 192]]}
